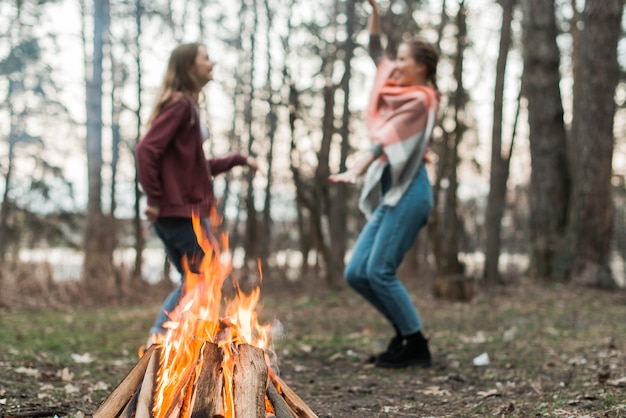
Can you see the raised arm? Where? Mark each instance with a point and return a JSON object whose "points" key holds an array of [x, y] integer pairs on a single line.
{"points": [[374, 21], [373, 26]]}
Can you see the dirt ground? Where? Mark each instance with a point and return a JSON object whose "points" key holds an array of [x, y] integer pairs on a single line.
{"points": [[553, 351]]}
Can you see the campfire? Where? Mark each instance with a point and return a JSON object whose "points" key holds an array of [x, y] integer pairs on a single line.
{"points": [[214, 361]]}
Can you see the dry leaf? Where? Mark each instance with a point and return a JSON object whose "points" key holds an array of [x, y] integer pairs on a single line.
{"points": [[82, 358], [100, 386], [70, 389], [27, 371], [620, 383], [65, 375], [488, 393], [435, 390]]}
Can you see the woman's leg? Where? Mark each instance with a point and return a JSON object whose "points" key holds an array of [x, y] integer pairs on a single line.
{"points": [[398, 228], [180, 242], [356, 273]]}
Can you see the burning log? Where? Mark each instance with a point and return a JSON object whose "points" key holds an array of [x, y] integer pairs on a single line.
{"points": [[297, 405], [249, 382], [209, 385], [281, 409], [254, 386], [117, 400]]}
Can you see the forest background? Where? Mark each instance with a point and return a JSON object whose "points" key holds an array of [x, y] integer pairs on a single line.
{"points": [[528, 160]]}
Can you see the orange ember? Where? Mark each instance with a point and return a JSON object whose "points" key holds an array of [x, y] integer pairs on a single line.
{"points": [[201, 317]]}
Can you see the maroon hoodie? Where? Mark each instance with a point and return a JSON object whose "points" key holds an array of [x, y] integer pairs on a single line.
{"points": [[172, 168]]}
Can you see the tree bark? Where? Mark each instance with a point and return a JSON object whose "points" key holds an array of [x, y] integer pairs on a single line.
{"points": [[139, 238], [271, 124], [499, 163], [97, 265], [338, 213], [252, 228], [448, 257], [596, 76], [549, 181]]}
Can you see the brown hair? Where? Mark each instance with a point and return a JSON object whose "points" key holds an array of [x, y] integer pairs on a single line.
{"points": [[424, 52], [178, 77]]}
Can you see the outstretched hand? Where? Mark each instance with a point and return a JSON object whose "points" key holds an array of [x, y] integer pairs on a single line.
{"points": [[348, 177], [251, 162]]}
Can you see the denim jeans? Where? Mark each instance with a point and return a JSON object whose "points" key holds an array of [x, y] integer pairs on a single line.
{"points": [[180, 241], [380, 248]]}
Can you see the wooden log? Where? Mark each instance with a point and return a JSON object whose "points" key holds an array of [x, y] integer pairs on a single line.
{"points": [[131, 406], [175, 396], [207, 399], [117, 400], [249, 379], [297, 405], [146, 392], [281, 409]]}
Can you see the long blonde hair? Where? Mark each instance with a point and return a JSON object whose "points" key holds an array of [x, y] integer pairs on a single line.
{"points": [[178, 77]]}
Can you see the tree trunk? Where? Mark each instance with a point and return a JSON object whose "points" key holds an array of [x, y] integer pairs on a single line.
{"points": [[499, 163], [448, 260], [139, 238], [97, 266], [321, 205], [116, 110], [6, 207], [252, 229], [596, 75], [338, 218], [271, 123], [549, 181]]}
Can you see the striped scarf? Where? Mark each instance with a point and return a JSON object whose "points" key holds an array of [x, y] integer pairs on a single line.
{"points": [[401, 119]]}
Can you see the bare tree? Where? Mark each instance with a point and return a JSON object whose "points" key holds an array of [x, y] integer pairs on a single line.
{"points": [[445, 228], [499, 163], [271, 125], [251, 242], [549, 181], [97, 266], [340, 193], [596, 74], [138, 230], [29, 100]]}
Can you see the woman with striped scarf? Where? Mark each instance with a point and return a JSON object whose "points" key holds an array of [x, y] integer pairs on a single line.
{"points": [[400, 118]]}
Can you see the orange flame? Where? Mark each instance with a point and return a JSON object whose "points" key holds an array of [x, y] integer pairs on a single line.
{"points": [[198, 318]]}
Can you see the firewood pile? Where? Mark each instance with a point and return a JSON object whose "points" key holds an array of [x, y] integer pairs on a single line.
{"points": [[256, 391]]}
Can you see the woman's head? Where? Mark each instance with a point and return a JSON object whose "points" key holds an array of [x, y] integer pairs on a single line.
{"points": [[188, 70], [416, 63]]}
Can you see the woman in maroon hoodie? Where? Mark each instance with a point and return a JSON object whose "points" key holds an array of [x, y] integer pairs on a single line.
{"points": [[173, 170]]}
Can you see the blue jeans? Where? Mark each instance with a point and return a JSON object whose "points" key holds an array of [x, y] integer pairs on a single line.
{"points": [[180, 242], [380, 248]]}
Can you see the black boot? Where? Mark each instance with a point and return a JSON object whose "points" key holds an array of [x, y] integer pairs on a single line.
{"points": [[394, 344], [396, 341], [413, 351]]}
